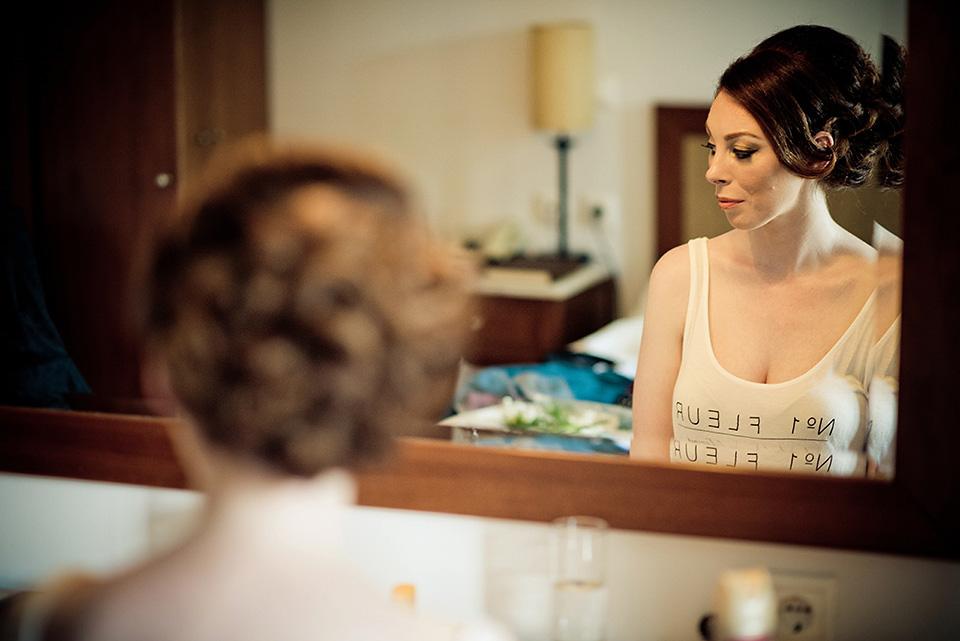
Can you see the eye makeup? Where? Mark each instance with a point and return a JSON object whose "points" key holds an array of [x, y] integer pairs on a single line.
{"points": [[738, 152]]}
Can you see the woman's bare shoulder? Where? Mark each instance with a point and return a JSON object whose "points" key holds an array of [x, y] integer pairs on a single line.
{"points": [[669, 284], [727, 248], [860, 247], [855, 261], [673, 268]]}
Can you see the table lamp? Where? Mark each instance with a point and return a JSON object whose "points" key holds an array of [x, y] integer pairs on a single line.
{"points": [[562, 76]]}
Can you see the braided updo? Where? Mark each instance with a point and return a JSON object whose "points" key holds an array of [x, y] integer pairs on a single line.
{"points": [[304, 313], [808, 79]]}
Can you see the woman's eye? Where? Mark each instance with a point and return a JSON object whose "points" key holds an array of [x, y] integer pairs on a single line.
{"points": [[743, 154], [709, 146]]}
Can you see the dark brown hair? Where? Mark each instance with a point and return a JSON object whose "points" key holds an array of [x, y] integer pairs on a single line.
{"points": [[304, 313], [808, 79]]}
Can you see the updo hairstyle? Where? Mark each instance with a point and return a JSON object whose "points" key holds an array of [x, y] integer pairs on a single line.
{"points": [[304, 313], [808, 79]]}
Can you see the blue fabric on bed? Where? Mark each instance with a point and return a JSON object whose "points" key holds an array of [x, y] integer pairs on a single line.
{"points": [[590, 379]]}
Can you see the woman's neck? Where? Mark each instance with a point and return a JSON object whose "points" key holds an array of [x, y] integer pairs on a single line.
{"points": [[798, 242], [253, 506]]}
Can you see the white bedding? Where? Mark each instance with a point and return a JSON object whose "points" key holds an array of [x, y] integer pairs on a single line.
{"points": [[618, 341]]}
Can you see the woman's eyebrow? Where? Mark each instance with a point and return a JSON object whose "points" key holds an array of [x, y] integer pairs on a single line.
{"points": [[739, 134]]}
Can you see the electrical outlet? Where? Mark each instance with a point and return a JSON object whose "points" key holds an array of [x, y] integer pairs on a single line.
{"points": [[593, 210], [806, 606], [586, 211], [544, 210]]}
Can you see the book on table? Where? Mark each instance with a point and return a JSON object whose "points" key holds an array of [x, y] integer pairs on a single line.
{"points": [[533, 269]]}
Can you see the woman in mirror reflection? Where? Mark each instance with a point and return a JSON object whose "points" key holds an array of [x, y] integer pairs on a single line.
{"points": [[300, 316], [757, 344]]}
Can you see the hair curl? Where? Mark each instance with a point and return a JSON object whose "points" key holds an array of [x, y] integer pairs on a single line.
{"points": [[304, 313], [810, 78]]}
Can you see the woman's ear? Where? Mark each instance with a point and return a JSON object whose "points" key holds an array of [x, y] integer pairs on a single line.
{"points": [[157, 390], [824, 139]]}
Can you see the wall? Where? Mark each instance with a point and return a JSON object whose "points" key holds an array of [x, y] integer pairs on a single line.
{"points": [[660, 585], [441, 87]]}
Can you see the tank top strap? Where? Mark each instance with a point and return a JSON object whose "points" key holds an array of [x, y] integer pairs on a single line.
{"points": [[699, 287]]}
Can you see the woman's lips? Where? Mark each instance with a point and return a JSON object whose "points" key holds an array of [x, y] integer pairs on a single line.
{"points": [[728, 203]]}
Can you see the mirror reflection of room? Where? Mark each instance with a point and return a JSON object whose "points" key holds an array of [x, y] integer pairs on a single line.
{"points": [[560, 221], [758, 343]]}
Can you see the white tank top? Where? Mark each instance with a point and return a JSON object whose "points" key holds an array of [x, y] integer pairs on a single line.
{"points": [[884, 393], [815, 423]]}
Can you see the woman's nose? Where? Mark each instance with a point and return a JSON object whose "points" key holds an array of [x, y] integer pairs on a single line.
{"points": [[715, 174]]}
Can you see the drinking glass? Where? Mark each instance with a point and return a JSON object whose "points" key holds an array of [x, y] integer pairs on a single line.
{"points": [[580, 590]]}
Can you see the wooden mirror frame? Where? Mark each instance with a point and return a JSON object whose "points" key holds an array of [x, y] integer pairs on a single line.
{"points": [[916, 514], [674, 124]]}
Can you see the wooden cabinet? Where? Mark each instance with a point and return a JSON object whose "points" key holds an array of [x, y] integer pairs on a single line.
{"points": [[524, 325], [122, 99]]}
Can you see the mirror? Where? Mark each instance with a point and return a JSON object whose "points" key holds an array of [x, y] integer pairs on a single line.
{"points": [[916, 514]]}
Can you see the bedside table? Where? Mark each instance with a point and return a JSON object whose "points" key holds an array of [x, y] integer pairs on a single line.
{"points": [[520, 322]]}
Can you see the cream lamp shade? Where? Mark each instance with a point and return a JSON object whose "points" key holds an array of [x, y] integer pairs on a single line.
{"points": [[563, 76]]}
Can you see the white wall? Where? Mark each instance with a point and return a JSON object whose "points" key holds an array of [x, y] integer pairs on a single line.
{"points": [[440, 86], [660, 585]]}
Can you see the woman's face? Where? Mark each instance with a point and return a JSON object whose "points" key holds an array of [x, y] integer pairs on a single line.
{"points": [[751, 185]]}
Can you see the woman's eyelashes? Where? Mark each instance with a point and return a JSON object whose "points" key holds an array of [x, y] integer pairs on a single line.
{"points": [[739, 153]]}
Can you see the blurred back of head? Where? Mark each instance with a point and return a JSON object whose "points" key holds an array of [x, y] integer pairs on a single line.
{"points": [[304, 314]]}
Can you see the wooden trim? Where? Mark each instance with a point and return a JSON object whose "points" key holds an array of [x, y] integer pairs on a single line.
{"points": [[929, 436], [538, 486], [94, 446], [437, 476]]}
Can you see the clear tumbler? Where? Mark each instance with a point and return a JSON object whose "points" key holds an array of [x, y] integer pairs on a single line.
{"points": [[580, 590]]}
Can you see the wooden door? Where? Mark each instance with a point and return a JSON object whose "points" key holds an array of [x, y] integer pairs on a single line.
{"points": [[101, 83], [118, 95]]}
